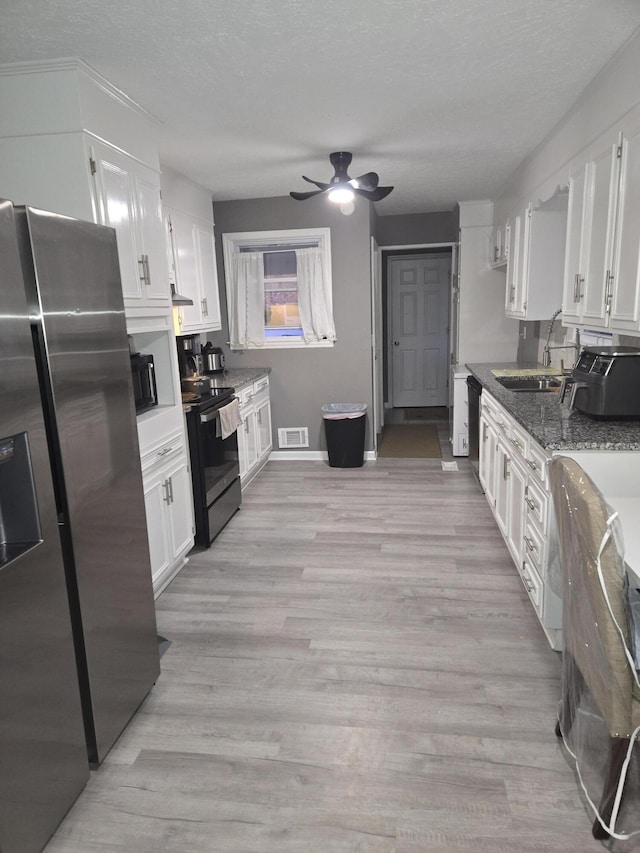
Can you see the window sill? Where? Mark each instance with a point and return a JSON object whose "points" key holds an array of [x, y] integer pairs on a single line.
{"points": [[288, 344]]}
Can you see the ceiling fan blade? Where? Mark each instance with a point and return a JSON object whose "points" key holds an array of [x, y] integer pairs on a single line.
{"points": [[317, 183], [303, 196], [369, 181], [374, 195]]}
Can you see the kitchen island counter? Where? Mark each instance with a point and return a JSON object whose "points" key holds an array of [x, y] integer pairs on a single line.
{"points": [[550, 422]]}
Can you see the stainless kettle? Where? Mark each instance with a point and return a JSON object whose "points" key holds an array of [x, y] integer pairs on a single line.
{"points": [[212, 359]]}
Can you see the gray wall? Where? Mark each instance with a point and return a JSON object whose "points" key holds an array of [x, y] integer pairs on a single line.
{"points": [[303, 379], [416, 228]]}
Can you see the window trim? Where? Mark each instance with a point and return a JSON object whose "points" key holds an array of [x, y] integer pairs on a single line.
{"points": [[290, 238]]}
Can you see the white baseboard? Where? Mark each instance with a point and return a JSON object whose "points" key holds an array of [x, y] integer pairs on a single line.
{"points": [[311, 456]]}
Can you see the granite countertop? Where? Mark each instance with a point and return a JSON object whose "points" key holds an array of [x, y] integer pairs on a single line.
{"points": [[238, 377], [550, 422], [235, 377]]}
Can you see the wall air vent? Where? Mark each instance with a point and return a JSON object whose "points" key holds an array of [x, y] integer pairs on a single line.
{"points": [[293, 437]]}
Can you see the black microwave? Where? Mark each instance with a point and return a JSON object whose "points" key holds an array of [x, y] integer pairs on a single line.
{"points": [[143, 375]]}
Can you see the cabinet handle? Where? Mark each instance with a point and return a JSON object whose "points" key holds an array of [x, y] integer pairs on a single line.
{"points": [[143, 261], [165, 488], [531, 504], [203, 305], [170, 481], [246, 426], [577, 287], [505, 467], [608, 291], [484, 431], [164, 451], [259, 414], [529, 543], [517, 443], [533, 465]]}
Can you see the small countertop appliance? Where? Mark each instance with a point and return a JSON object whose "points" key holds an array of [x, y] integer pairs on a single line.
{"points": [[606, 382], [212, 359]]}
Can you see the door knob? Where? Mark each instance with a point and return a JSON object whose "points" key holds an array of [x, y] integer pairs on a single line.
{"points": [[396, 343]]}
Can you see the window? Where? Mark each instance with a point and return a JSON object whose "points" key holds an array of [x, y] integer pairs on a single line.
{"points": [[279, 288]]}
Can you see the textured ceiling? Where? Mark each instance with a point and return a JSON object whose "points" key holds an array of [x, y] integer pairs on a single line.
{"points": [[443, 99]]}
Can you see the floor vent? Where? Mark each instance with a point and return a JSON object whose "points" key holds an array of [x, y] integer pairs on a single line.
{"points": [[293, 437]]}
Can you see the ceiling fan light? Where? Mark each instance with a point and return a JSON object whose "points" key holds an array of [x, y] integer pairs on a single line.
{"points": [[341, 195]]}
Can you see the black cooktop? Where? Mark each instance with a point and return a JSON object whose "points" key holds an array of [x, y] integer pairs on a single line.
{"points": [[204, 399]]}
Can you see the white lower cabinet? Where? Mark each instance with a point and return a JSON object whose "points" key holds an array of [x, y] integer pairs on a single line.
{"points": [[513, 475], [254, 434], [169, 508], [459, 418]]}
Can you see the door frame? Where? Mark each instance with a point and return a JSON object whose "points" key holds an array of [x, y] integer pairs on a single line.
{"points": [[389, 252]]}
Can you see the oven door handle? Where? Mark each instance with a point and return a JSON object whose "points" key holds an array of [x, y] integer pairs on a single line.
{"points": [[212, 414]]}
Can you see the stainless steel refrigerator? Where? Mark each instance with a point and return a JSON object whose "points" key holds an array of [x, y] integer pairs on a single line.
{"points": [[78, 641]]}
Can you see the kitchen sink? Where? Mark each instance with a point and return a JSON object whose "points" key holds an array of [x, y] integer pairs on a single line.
{"points": [[530, 383]]}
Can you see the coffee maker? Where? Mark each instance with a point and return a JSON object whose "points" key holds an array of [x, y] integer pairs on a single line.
{"points": [[190, 363]]}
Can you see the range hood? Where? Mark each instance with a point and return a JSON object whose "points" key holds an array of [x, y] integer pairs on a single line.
{"points": [[177, 298]]}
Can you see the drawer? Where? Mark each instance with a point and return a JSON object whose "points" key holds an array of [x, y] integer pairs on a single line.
{"points": [[261, 385], [535, 545], [532, 583], [245, 396], [167, 451], [536, 503], [537, 460], [519, 440], [490, 408]]}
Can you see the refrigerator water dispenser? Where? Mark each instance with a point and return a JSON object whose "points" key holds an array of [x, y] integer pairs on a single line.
{"points": [[19, 521]]}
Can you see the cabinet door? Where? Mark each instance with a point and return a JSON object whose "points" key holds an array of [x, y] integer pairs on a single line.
{"points": [[116, 208], [601, 204], [186, 270], [150, 237], [155, 503], [575, 252], [208, 277], [515, 512], [247, 441], [180, 509], [487, 461], [502, 474], [263, 425], [514, 266], [626, 267]]}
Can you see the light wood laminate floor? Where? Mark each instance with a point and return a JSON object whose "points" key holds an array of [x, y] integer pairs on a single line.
{"points": [[354, 666]]}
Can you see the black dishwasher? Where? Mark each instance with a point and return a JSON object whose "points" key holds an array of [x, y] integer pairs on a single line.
{"points": [[474, 390]]}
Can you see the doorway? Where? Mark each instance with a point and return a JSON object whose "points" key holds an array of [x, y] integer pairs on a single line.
{"points": [[418, 334]]}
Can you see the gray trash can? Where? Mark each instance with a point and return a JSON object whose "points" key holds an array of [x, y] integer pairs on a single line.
{"points": [[344, 426]]}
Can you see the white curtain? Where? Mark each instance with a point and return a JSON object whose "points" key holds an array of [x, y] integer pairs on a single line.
{"points": [[246, 315], [314, 296]]}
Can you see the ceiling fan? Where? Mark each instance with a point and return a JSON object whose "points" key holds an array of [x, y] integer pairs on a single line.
{"points": [[341, 188]]}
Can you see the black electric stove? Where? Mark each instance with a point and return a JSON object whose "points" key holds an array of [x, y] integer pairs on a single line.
{"points": [[215, 472]]}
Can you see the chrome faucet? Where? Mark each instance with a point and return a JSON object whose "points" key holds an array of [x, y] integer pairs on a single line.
{"points": [[546, 352]]}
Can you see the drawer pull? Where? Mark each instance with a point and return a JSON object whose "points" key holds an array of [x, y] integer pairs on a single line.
{"points": [[164, 451], [530, 545], [517, 443], [531, 504], [533, 465]]}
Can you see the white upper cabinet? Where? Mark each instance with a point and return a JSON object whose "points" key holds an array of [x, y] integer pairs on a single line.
{"points": [[128, 196], [535, 263], [602, 271], [193, 271], [72, 143]]}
